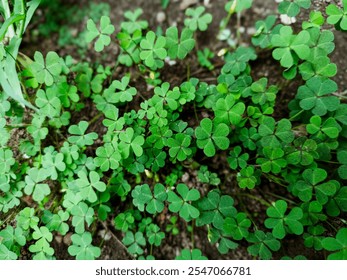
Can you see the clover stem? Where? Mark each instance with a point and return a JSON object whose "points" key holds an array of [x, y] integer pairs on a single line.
{"points": [[296, 115], [262, 201], [188, 72], [151, 250], [93, 120], [192, 234], [281, 197]]}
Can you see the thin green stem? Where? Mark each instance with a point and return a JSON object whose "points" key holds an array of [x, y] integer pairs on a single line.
{"points": [[296, 115], [93, 120], [7, 14], [262, 201], [192, 234]]}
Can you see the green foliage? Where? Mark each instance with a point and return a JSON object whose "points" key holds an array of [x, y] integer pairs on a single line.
{"points": [[46, 71], [182, 204], [197, 19], [81, 247], [337, 16], [292, 7], [154, 202], [209, 136], [337, 244], [153, 50], [102, 34], [194, 254], [134, 242], [179, 47], [164, 143], [264, 244], [282, 224], [214, 209], [289, 47]]}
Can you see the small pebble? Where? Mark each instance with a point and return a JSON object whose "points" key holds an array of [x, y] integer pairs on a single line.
{"points": [[161, 17]]}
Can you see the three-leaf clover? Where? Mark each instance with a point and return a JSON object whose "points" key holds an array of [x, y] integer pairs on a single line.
{"points": [[182, 203], [214, 208], [337, 16], [82, 247], [339, 244], [79, 137], [45, 70], [106, 29], [289, 47], [153, 50], [41, 247], [81, 213], [210, 135], [281, 223], [179, 48], [237, 226], [316, 96], [34, 186], [87, 184], [313, 184], [273, 161], [142, 195], [228, 111], [179, 146], [197, 19], [264, 243], [48, 102], [134, 242], [130, 142]]}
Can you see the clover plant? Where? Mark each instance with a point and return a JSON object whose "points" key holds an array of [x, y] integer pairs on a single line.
{"points": [[220, 149]]}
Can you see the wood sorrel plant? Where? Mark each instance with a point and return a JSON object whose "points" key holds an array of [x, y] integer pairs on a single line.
{"points": [[68, 175]]}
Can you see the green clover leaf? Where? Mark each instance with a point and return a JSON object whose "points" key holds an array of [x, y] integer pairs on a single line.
{"points": [[313, 185], [339, 244], [228, 111], [187, 254], [182, 203], [46, 70], [130, 142], [210, 135], [316, 96], [273, 161], [87, 184], [153, 50], [79, 137], [197, 19], [82, 247], [337, 16], [102, 35], [282, 224], [214, 209], [179, 48], [34, 186], [81, 213], [289, 48], [179, 146], [48, 102], [292, 7], [264, 243], [134, 242], [237, 226]]}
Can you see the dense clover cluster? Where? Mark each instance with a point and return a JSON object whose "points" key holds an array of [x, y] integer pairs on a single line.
{"points": [[71, 177]]}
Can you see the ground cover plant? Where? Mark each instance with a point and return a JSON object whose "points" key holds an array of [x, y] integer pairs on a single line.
{"points": [[90, 151]]}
